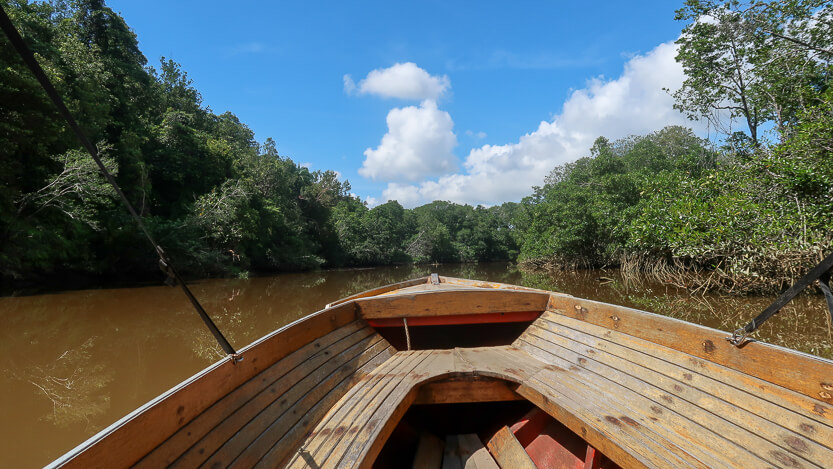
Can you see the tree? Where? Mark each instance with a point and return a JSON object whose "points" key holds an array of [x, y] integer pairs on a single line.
{"points": [[758, 61]]}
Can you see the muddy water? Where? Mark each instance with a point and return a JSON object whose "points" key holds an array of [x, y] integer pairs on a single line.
{"points": [[71, 363]]}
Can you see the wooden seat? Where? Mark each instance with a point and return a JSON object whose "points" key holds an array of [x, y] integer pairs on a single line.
{"points": [[271, 412], [632, 398], [661, 409], [355, 429]]}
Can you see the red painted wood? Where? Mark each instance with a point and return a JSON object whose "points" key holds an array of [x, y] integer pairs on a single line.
{"points": [[461, 319], [593, 458], [558, 448], [530, 426]]}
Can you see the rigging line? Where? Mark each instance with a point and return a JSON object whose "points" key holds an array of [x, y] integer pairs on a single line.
{"points": [[164, 262], [820, 272]]}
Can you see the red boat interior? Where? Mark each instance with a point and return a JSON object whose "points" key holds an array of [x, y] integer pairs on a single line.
{"points": [[453, 432]]}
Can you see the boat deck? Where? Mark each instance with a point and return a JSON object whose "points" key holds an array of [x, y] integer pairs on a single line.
{"points": [[331, 389], [640, 409]]}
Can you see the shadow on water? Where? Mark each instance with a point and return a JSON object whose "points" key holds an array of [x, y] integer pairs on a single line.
{"points": [[74, 362]]}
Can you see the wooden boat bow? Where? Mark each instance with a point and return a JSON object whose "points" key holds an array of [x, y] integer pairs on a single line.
{"points": [[497, 375]]}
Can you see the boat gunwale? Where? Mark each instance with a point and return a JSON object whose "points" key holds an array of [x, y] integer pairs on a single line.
{"points": [[352, 307]]}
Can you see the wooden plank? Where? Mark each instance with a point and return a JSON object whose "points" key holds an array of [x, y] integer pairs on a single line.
{"points": [[478, 318], [601, 402], [682, 399], [484, 361], [508, 452], [451, 455], [608, 397], [277, 395], [474, 454], [593, 432], [249, 443], [293, 439], [128, 440], [381, 417], [429, 453], [465, 389], [292, 368], [774, 403], [452, 302], [334, 435], [659, 373], [805, 374], [624, 425], [321, 441], [366, 452], [464, 282]]}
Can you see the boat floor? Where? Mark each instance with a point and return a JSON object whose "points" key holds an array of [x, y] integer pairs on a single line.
{"points": [[641, 404]]}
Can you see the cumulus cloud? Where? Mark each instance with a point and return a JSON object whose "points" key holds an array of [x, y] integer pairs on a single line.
{"points": [[419, 144], [402, 80], [633, 103]]}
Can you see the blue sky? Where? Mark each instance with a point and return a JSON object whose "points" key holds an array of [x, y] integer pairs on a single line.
{"points": [[470, 101]]}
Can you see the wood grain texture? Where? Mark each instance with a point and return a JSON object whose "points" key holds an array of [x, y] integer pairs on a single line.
{"points": [[248, 399], [508, 452], [457, 390], [128, 440], [723, 414], [249, 444], [451, 302], [805, 374], [722, 391]]}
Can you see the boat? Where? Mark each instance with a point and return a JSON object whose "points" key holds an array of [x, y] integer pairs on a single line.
{"points": [[447, 372]]}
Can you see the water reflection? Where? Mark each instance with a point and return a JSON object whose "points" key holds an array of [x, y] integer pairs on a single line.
{"points": [[72, 363]]}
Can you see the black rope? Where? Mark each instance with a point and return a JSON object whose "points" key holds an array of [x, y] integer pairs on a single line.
{"points": [[164, 262], [821, 272]]}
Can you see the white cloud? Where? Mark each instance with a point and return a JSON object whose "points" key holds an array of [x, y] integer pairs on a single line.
{"points": [[419, 144], [634, 103], [402, 80]]}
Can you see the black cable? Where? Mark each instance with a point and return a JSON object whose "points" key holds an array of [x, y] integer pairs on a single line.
{"points": [[821, 272], [164, 263]]}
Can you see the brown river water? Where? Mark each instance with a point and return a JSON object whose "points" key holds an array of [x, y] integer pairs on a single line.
{"points": [[71, 363]]}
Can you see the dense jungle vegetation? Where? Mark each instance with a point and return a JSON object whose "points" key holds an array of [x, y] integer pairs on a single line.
{"points": [[752, 214], [752, 211], [217, 200]]}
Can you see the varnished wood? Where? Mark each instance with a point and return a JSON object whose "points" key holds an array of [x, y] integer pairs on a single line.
{"points": [[508, 452], [249, 444], [793, 370], [342, 417], [641, 422], [429, 453], [451, 302], [644, 390], [129, 439], [457, 390], [275, 379], [278, 453], [717, 390]]}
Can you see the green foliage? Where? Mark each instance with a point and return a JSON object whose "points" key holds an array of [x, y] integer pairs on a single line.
{"points": [[582, 214], [762, 61], [753, 212]]}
